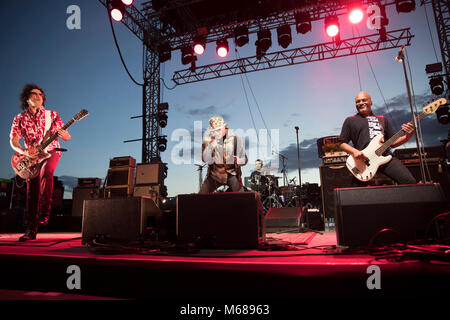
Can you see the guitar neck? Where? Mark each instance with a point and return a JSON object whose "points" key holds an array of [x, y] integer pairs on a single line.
{"points": [[392, 139], [54, 136]]}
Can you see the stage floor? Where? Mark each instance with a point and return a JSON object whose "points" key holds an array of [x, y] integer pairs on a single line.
{"points": [[305, 265]]}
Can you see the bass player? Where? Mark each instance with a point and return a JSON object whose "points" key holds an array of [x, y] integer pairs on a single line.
{"points": [[365, 125], [32, 125]]}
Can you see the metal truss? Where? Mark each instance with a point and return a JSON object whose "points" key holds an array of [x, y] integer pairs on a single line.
{"points": [[318, 10], [319, 52]]}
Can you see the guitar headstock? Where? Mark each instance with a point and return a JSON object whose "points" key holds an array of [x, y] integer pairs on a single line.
{"points": [[432, 107], [80, 115]]}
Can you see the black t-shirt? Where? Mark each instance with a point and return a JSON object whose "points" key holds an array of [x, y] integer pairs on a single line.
{"points": [[360, 130]]}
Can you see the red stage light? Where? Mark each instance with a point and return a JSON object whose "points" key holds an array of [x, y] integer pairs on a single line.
{"points": [[222, 48], [332, 26], [116, 14], [356, 15], [199, 48]]}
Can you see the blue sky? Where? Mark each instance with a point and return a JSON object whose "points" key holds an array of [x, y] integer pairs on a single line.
{"points": [[81, 69]]}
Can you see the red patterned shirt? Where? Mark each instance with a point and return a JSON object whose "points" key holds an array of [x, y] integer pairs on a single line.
{"points": [[31, 127]]}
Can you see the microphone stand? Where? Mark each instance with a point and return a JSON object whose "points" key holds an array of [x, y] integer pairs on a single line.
{"points": [[200, 175], [298, 156], [283, 158], [401, 57]]}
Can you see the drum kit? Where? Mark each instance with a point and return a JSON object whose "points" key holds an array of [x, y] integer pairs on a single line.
{"points": [[273, 195]]}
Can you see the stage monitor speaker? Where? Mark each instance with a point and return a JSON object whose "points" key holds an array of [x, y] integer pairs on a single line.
{"points": [[123, 220], [407, 210], [279, 219], [79, 195], [227, 220], [332, 177]]}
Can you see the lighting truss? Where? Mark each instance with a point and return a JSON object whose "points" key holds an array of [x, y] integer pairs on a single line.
{"points": [[318, 52]]}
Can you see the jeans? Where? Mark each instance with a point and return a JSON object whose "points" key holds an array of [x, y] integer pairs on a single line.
{"points": [[40, 191]]}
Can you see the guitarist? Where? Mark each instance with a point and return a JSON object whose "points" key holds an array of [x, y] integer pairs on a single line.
{"points": [[362, 127], [32, 125]]}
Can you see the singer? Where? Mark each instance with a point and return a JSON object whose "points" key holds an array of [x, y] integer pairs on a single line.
{"points": [[365, 125], [224, 153]]}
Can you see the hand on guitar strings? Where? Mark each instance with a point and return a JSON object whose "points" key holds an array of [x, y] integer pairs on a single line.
{"points": [[408, 128]]}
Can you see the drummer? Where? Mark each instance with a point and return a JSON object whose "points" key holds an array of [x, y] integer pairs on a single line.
{"points": [[257, 180]]}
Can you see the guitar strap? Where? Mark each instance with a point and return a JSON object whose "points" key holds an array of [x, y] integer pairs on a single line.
{"points": [[48, 124]]}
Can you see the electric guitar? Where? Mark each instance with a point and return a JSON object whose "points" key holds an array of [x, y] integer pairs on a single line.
{"points": [[29, 167], [365, 169]]}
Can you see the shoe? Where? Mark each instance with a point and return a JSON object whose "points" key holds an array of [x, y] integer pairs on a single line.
{"points": [[29, 235], [43, 219]]}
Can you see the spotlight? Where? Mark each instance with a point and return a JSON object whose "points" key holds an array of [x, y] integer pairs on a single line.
{"points": [[263, 43], [222, 48], [127, 2], [434, 67], [117, 10], [332, 26], [302, 22], [199, 45], [241, 36], [284, 36], [442, 114], [436, 85], [162, 143], [162, 119], [405, 5], [356, 14], [187, 55]]}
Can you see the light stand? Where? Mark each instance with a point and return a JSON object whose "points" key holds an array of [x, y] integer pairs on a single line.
{"points": [[401, 57]]}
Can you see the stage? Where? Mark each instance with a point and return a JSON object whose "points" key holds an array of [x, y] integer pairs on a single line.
{"points": [[287, 266]]}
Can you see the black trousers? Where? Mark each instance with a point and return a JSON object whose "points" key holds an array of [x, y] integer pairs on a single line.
{"points": [[395, 170], [210, 184]]}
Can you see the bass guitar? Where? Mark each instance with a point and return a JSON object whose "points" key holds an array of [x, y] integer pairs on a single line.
{"points": [[29, 167], [365, 170]]}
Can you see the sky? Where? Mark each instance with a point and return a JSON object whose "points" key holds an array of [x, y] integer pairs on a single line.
{"points": [[81, 69]]}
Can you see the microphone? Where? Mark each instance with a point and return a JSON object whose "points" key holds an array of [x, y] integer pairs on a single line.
{"points": [[399, 57]]}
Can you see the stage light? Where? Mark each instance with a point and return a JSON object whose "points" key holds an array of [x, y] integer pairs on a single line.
{"points": [[356, 15], [302, 22], [405, 5], [241, 36], [162, 143], [284, 35], [433, 68], [127, 2], [117, 10], [437, 85], [332, 26], [263, 43], [199, 45], [442, 114], [162, 119], [187, 55], [222, 48]]}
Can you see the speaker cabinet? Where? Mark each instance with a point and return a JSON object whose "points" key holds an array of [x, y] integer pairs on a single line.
{"points": [[123, 220], [219, 220], [332, 177], [439, 172], [149, 191], [149, 173], [405, 209], [126, 161], [120, 176], [79, 195], [278, 219]]}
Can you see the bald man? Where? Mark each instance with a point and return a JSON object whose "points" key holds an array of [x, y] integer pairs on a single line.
{"points": [[362, 127]]}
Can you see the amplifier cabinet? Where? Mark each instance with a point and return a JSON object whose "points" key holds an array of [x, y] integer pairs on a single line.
{"points": [[126, 161], [148, 190], [149, 173], [79, 195], [120, 176], [119, 191], [332, 177]]}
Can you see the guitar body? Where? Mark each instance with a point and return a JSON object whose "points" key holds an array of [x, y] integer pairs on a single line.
{"points": [[365, 170], [26, 167]]}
